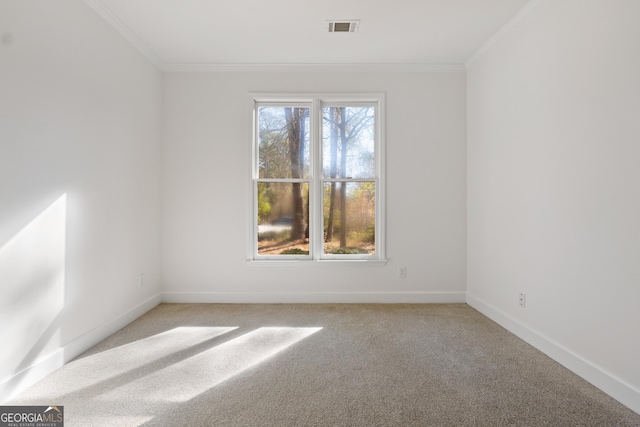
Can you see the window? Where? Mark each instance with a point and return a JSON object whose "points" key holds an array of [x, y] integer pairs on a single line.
{"points": [[317, 178]]}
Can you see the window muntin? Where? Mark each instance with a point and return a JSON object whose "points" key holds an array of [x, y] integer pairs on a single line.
{"points": [[314, 155]]}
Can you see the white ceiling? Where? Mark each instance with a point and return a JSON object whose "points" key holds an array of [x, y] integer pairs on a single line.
{"points": [[277, 32]]}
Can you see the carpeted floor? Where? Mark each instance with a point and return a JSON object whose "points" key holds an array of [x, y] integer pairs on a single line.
{"points": [[320, 365]]}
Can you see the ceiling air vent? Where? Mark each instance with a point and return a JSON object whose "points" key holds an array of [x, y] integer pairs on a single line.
{"points": [[344, 26]]}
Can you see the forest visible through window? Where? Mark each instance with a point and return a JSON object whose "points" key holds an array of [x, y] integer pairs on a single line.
{"points": [[331, 172]]}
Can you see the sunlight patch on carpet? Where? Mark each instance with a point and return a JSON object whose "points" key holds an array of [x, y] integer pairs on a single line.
{"points": [[191, 377], [95, 369]]}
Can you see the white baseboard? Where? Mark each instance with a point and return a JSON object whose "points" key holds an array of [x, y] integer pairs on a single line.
{"points": [[11, 386], [84, 342], [314, 297], [30, 375], [599, 377]]}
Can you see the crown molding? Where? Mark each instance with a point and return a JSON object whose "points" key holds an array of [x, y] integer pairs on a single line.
{"points": [[344, 68], [532, 4], [99, 7], [128, 34]]}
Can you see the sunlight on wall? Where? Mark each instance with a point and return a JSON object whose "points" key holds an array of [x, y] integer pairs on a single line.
{"points": [[122, 361], [188, 378], [32, 282]]}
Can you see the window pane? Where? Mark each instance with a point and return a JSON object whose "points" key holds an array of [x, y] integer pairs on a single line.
{"points": [[348, 142], [283, 218], [283, 142], [349, 217]]}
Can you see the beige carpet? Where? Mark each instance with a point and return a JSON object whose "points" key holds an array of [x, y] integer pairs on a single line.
{"points": [[321, 365]]}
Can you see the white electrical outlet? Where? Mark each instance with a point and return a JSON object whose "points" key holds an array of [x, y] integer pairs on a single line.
{"points": [[522, 299], [402, 272]]}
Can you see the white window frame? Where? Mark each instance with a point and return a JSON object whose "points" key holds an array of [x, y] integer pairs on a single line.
{"points": [[315, 102]]}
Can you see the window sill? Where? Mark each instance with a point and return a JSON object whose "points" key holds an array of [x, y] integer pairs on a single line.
{"points": [[319, 263]]}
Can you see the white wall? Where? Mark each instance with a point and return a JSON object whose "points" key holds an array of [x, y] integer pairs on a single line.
{"points": [[80, 132], [206, 192], [553, 186]]}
